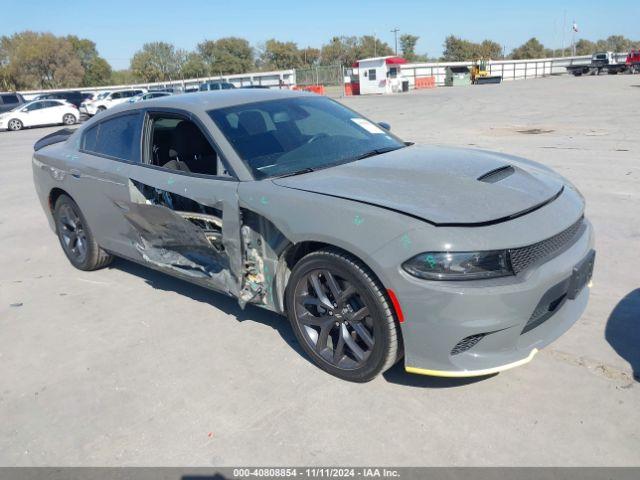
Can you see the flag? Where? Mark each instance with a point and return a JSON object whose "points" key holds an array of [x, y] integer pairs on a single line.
{"points": [[575, 27]]}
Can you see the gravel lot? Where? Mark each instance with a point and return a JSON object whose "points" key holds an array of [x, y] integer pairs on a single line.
{"points": [[125, 366]]}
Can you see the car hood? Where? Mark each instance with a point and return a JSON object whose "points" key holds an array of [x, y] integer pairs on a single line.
{"points": [[444, 186]]}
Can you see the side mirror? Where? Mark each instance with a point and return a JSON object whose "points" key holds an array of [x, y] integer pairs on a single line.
{"points": [[385, 126]]}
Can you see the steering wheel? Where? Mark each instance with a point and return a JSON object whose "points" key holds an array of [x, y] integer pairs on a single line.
{"points": [[317, 136]]}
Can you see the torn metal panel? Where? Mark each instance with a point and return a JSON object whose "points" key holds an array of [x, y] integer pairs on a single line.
{"points": [[263, 245], [187, 241]]}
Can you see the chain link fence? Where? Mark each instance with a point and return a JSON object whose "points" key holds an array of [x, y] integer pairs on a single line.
{"points": [[331, 76]]}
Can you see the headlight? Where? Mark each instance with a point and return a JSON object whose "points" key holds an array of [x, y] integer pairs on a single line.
{"points": [[459, 265]]}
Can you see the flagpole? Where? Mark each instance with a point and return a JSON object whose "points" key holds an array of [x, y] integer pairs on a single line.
{"points": [[564, 27], [573, 38]]}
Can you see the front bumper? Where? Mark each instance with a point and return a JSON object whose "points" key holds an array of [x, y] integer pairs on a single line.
{"points": [[440, 316]]}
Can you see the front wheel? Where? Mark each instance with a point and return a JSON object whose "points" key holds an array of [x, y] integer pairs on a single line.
{"points": [[69, 119], [341, 316], [76, 238], [15, 125]]}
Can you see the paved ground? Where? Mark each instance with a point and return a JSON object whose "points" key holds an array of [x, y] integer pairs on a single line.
{"points": [[128, 367]]}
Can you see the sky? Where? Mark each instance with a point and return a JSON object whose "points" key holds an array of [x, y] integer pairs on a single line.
{"points": [[119, 28]]}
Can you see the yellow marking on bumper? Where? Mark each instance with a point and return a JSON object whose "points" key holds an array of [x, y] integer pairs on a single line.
{"points": [[471, 373]]}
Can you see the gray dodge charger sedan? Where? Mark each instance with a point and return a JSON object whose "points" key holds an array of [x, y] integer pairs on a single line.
{"points": [[461, 262]]}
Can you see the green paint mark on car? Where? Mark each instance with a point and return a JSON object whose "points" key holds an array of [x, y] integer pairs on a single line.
{"points": [[406, 241]]}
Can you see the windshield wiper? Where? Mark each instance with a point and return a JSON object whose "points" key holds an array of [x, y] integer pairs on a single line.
{"points": [[297, 172], [377, 151]]}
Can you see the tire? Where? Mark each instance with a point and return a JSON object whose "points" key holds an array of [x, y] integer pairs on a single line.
{"points": [[100, 109], [69, 119], [14, 125], [76, 238], [357, 338]]}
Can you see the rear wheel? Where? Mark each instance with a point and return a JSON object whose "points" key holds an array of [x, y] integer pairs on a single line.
{"points": [[76, 238], [69, 119], [341, 316], [15, 125]]}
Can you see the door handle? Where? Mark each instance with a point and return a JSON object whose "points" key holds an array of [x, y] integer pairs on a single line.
{"points": [[75, 173]]}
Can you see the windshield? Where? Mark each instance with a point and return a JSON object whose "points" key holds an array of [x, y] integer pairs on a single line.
{"points": [[22, 105], [285, 136], [102, 95]]}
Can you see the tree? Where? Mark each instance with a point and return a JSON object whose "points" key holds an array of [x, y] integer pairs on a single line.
{"points": [[194, 66], [32, 60], [122, 77], [7, 81], [226, 56], [309, 56], [340, 51], [96, 69], [585, 47], [616, 43], [457, 49], [280, 55], [370, 46], [156, 62], [489, 49], [532, 48], [408, 46]]}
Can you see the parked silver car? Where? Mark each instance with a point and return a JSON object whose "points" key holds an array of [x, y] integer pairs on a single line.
{"points": [[462, 262]]}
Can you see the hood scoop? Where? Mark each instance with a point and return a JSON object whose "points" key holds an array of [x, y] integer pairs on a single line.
{"points": [[497, 174]]}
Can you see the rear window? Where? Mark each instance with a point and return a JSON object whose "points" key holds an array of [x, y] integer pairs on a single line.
{"points": [[9, 99], [117, 137]]}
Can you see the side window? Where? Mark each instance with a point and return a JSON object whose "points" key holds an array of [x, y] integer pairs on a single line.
{"points": [[116, 95], [8, 99], [179, 144], [35, 106], [117, 137], [90, 138], [372, 74]]}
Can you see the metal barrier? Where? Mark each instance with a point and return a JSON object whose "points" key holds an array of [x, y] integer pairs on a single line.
{"points": [[274, 79], [508, 69]]}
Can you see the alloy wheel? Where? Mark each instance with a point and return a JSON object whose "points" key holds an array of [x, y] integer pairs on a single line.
{"points": [[15, 125], [334, 319], [69, 119], [74, 239]]}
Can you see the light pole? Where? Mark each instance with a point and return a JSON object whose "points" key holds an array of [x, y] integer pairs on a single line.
{"points": [[395, 34]]}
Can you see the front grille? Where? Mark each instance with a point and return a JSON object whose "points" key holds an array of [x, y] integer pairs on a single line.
{"points": [[466, 343], [524, 257]]}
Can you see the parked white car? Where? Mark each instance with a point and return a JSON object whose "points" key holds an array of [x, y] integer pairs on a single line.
{"points": [[39, 112], [108, 100]]}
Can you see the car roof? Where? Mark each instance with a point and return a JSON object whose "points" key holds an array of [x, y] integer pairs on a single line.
{"points": [[210, 100]]}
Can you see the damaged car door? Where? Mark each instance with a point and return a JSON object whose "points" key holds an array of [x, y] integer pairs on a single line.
{"points": [[181, 215]]}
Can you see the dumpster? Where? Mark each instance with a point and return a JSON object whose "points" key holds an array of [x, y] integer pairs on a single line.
{"points": [[457, 76]]}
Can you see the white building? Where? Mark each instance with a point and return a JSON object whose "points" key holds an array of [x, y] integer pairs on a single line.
{"points": [[380, 74]]}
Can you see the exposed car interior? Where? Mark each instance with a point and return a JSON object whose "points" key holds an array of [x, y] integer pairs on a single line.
{"points": [[179, 144]]}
